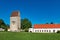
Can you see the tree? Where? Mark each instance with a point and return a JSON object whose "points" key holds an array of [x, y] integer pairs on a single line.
{"points": [[25, 23], [2, 24], [47, 23], [51, 23], [7, 26]]}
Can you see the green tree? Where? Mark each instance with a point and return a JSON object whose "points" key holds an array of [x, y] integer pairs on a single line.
{"points": [[25, 23], [51, 23], [47, 23], [2, 24], [7, 26]]}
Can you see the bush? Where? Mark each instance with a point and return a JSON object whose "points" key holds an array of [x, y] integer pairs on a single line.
{"points": [[58, 31], [26, 30], [31, 31]]}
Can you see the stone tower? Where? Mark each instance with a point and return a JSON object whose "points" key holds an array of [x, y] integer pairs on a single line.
{"points": [[15, 23]]}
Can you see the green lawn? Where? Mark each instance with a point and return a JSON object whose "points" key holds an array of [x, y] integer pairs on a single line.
{"points": [[28, 36]]}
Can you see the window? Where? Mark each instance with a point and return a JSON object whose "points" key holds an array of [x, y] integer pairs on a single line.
{"points": [[54, 31], [36, 30], [49, 30], [44, 30], [13, 22], [40, 30]]}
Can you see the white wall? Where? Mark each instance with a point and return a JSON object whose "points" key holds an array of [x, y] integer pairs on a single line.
{"points": [[16, 25], [50, 30]]}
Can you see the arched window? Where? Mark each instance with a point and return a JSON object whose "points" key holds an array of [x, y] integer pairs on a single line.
{"points": [[54, 31], [36, 30], [40, 30], [44, 30], [47, 30], [13, 22]]}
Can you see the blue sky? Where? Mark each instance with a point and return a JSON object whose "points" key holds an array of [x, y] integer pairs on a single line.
{"points": [[37, 11]]}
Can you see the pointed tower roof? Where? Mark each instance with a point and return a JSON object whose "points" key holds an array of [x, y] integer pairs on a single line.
{"points": [[15, 13]]}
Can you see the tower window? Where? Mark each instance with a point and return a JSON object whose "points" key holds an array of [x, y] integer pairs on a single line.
{"points": [[13, 22]]}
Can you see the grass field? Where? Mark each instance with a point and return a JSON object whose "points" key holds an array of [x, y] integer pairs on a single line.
{"points": [[28, 36]]}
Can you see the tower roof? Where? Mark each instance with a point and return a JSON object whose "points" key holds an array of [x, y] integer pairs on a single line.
{"points": [[15, 13]]}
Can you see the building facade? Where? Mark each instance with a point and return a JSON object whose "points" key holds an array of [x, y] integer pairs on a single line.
{"points": [[45, 28], [15, 22]]}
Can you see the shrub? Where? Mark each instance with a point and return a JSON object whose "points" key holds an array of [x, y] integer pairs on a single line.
{"points": [[58, 31], [26, 30], [31, 31]]}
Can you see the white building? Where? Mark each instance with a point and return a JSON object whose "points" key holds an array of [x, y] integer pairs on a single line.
{"points": [[15, 23], [1, 29], [45, 28]]}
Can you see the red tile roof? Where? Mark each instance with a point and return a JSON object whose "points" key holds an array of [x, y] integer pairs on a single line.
{"points": [[15, 13], [47, 26]]}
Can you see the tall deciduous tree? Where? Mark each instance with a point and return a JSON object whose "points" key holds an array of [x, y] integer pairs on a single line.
{"points": [[25, 23], [3, 25], [51, 23], [47, 23]]}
